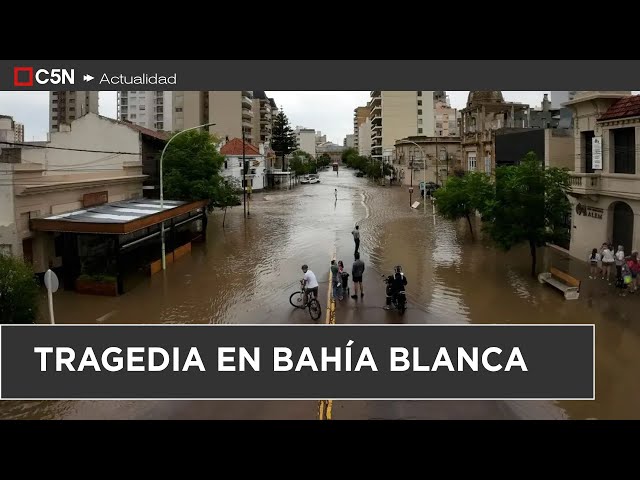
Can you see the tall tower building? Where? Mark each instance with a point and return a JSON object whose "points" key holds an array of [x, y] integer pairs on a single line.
{"points": [[66, 106]]}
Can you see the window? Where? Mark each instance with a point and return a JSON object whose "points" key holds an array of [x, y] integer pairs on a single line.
{"points": [[54, 101], [132, 115], [72, 109], [178, 109], [142, 107], [487, 165], [471, 162], [419, 111], [419, 121], [419, 130], [133, 91], [419, 93], [54, 109], [624, 150], [420, 102], [587, 138]]}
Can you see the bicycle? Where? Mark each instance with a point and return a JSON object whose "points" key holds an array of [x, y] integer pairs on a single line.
{"points": [[297, 300]]}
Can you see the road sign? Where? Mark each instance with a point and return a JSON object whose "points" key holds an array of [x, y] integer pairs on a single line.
{"points": [[51, 281], [52, 284]]}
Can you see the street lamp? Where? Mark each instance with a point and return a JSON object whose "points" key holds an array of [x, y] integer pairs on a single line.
{"points": [[424, 173], [164, 261]]}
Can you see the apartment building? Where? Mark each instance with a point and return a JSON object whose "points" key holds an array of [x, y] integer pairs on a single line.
{"points": [[360, 117], [399, 114], [262, 118], [148, 109], [65, 107], [446, 119], [559, 98], [8, 132], [306, 140], [18, 132], [605, 185], [349, 140]]}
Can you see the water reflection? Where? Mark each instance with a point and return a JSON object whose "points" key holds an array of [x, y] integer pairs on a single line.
{"points": [[246, 272]]}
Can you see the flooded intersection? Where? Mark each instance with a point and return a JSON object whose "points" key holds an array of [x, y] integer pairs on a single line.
{"points": [[246, 272]]}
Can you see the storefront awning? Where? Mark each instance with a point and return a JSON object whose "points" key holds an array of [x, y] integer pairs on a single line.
{"points": [[117, 217]]}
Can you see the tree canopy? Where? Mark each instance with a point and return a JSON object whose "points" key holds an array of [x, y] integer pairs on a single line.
{"points": [[283, 138], [18, 291]]}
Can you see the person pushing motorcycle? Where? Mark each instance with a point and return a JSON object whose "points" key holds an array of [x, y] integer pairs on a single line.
{"points": [[395, 286]]}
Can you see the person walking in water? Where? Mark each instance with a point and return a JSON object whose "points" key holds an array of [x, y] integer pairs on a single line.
{"points": [[336, 194], [356, 273], [356, 238]]}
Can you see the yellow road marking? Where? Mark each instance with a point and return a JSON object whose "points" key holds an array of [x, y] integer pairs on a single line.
{"points": [[325, 407]]}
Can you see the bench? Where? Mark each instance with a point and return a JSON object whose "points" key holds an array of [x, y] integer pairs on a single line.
{"points": [[564, 282]]}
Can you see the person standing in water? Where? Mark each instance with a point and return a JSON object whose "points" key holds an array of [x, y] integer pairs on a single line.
{"points": [[356, 238]]}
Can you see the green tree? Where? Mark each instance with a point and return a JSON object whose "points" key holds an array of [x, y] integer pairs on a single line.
{"points": [[348, 155], [192, 166], [227, 195], [462, 197], [18, 291], [530, 206], [324, 160], [283, 138]]}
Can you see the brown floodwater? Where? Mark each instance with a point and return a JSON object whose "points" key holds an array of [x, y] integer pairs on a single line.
{"points": [[246, 272]]}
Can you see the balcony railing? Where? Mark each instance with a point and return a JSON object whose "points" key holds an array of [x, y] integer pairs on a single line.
{"points": [[614, 184]]}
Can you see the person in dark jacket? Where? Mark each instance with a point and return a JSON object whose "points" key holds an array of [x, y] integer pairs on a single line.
{"points": [[395, 285]]}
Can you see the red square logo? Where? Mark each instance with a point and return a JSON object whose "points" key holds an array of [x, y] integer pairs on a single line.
{"points": [[16, 77]]}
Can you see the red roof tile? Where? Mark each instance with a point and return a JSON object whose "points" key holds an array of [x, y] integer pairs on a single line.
{"points": [[623, 108], [234, 147]]}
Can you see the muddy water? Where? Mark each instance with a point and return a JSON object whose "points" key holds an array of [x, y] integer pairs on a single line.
{"points": [[246, 271]]}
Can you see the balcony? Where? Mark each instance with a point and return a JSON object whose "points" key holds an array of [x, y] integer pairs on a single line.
{"points": [[376, 119], [247, 114], [265, 121], [610, 184], [247, 123], [247, 101]]}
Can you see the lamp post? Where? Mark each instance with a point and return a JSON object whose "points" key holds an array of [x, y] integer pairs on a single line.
{"points": [[164, 261], [424, 173], [410, 196]]}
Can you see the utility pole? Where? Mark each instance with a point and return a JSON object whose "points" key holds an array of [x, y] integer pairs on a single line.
{"points": [[244, 175], [437, 167]]}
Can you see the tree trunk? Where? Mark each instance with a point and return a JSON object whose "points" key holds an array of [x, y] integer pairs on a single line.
{"points": [[224, 216], [470, 227], [532, 248]]}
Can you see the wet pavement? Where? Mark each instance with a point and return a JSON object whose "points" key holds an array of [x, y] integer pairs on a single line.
{"points": [[246, 272]]}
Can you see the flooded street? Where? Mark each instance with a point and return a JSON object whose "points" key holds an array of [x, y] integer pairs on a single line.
{"points": [[246, 272]]}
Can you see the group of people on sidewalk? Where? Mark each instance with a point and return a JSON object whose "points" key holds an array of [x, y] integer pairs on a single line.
{"points": [[627, 267], [340, 278]]}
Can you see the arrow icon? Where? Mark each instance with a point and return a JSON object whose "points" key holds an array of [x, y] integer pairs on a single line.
{"points": [[87, 78]]}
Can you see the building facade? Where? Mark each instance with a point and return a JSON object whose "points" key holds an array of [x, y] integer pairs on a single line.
{"points": [[438, 156], [262, 118], [360, 117], [149, 109], [486, 112], [47, 182], [349, 141], [446, 120], [306, 140], [399, 114], [65, 107], [605, 185], [19, 132], [233, 164]]}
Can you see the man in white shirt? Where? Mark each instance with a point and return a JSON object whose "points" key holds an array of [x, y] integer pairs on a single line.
{"points": [[309, 283]]}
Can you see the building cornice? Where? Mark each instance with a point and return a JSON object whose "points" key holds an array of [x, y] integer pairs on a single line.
{"points": [[80, 184]]}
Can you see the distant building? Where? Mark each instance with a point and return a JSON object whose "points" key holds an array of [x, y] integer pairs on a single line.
{"points": [[148, 109], [546, 116], [446, 120], [19, 132], [360, 117], [349, 140], [558, 98], [306, 140], [65, 107], [442, 155], [262, 118]]}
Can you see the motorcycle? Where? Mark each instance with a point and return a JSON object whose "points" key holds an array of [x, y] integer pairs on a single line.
{"points": [[399, 301]]}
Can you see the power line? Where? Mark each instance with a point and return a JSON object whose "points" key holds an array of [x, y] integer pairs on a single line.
{"points": [[67, 149]]}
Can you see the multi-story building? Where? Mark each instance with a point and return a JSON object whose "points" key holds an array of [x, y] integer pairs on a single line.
{"points": [[149, 109], [429, 159], [546, 116], [306, 140], [262, 118], [230, 111], [360, 117], [486, 112], [446, 120], [7, 131], [605, 185], [349, 140], [558, 98], [65, 107], [320, 138], [18, 132], [399, 114]]}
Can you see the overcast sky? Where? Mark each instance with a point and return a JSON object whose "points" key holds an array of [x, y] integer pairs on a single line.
{"points": [[330, 112]]}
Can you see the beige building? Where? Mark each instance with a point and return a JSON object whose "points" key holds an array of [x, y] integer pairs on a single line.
{"points": [[441, 155], [361, 117], [262, 118], [605, 184], [486, 112], [49, 181], [446, 120], [399, 114], [149, 109], [306, 140], [231, 111], [65, 107], [19, 132]]}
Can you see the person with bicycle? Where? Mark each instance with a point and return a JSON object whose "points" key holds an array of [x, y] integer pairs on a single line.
{"points": [[397, 284], [309, 284]]}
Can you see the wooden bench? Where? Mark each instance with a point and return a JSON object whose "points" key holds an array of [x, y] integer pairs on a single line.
{"points": [[564, 282]]}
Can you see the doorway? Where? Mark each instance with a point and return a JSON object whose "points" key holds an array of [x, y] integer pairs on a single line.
{"points": [[622, 226]]}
